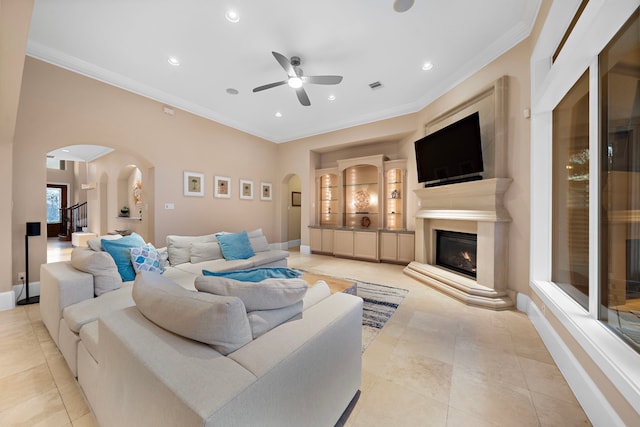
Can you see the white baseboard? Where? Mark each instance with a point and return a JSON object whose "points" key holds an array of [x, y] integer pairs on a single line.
{"points": [[7, 300], [589, 395], [294, 243], [305, 249], [21, 293]]}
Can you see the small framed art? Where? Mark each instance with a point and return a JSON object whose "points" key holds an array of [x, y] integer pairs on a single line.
{"points": [[222, 187], [265, 191], [193, 184], [246, 189], [296, 198]]}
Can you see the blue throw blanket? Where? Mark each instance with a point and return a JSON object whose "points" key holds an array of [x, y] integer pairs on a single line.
{"points": [[257, 274]]}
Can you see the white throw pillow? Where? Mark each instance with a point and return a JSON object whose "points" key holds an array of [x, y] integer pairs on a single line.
{"points": [[179, 247], [205, 251], [268, 294], [101, 265], [218, 321], [96, 243], [259, 244]]}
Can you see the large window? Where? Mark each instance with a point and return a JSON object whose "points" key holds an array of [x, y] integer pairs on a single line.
{"points": [[570, 265], [619, 66]]}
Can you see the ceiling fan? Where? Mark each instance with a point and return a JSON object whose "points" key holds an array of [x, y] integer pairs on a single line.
{"points": [[296, 78]]}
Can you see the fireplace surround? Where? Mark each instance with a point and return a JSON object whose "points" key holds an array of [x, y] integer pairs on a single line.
{"points": [[472, 208]]}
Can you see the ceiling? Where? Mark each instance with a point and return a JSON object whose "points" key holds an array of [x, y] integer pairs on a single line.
{"points": [[128, 44]]}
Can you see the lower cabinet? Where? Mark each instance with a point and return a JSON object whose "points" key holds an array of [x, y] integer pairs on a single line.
{"points": [[397, 247], [373, 245], [343, 243], [321, 240]]}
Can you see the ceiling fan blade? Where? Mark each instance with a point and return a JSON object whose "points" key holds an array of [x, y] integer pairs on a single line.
{"points": [[302, 97], [322, 80], [269, 86], [285, 63]]}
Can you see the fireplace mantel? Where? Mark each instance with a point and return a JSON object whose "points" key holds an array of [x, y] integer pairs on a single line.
{"points": [[473, 207], [471, 201]]}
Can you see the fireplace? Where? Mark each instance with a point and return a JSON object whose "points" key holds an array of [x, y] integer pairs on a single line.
{"points": [[471, 208], [457, 251]]}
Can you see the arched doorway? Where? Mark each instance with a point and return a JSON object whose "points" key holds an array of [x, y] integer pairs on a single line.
{"points": [[293, 195]]}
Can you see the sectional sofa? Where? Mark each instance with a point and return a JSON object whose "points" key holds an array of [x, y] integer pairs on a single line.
{"points": [[145, 351]]}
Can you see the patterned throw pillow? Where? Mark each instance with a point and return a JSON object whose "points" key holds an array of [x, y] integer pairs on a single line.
{"points": [[146, 258]]}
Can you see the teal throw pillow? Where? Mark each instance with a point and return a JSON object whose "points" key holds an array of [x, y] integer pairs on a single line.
{"points": [[235, 245], [256, 274], [119, 251], [146, 258]]}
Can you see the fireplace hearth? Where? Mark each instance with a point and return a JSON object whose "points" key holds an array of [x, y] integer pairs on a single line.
{"points": [[457, 251]]}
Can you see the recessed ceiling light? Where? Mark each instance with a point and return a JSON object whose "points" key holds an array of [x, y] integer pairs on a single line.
{"points": [[232, 91], [402, 5], [232, 16], [64, 150], [173, 61], [427, 66], [278, 114], [332, 98]]}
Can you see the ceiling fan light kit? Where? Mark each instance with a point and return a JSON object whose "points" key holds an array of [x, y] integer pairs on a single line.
{"points": [[295, 78]]}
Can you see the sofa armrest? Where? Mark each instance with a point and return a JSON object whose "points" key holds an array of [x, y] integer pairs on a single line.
{"points": [[61, 285]]}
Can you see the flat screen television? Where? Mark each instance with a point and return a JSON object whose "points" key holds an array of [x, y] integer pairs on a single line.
{"points": [[451, 154]]}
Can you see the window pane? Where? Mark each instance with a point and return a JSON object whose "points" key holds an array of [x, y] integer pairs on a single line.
{"points": [[620, 180], [570, 252], [54, 196]]}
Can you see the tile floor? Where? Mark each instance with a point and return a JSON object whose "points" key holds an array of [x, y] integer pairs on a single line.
{"points": [[437, 362]]}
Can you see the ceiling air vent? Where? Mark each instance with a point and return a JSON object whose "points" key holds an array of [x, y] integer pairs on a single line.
{"points": [[375, 85]]}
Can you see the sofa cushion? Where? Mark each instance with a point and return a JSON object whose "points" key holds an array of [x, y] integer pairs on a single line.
{"points": [[89, 337], [268, 294], [179, 247], [146, 258], [259, 244], [96, 242], [215, 265], [235, 245], [79, 314], [262, 321], [99, 264], [269, 257], [219, 321], [205, 251], [119, 250], [256, 274]]}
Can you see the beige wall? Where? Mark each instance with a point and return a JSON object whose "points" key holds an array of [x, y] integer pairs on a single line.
{"points": [[60, 108], [15, 16], [395, 137]]}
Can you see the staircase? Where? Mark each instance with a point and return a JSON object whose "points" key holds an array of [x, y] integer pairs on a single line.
{"points": [[73, 219]]}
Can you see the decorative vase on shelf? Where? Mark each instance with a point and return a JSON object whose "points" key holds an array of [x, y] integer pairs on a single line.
{"points": [[124, 211]]}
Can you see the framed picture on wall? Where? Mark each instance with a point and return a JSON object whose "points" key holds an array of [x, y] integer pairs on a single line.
{"points": [[222, 187], [296, 198], [265, 191], [246, 189], [193, 184]]}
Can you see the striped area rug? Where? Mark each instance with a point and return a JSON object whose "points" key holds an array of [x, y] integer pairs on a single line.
{"points": [[380, 301]]}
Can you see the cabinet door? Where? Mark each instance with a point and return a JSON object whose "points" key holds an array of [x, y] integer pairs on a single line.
{"points": [[315, 239], [365, 245], [343, 243], [327, 241], [389, 246], [406, 247]]}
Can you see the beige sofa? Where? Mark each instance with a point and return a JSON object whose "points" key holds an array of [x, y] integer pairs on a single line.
{"points": [[94, 333]]}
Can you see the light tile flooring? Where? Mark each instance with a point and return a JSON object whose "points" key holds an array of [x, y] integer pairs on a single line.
{"points": [[437, 362]]}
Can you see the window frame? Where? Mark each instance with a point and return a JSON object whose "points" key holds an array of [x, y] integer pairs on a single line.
{"points": [[550, 81]]}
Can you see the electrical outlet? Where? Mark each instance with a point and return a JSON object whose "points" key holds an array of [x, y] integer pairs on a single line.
{"points": [[21, 276]]}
